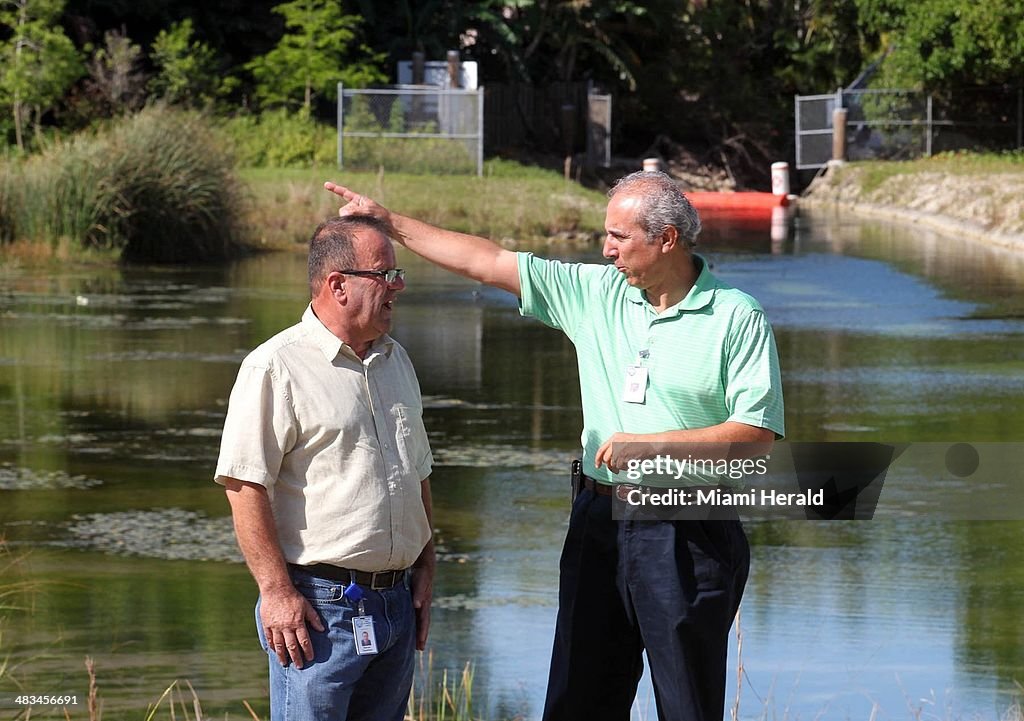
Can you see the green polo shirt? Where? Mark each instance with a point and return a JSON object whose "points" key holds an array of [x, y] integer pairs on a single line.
{"points": [[710, 358]]}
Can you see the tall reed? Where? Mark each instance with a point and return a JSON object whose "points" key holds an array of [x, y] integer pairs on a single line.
{"points": [[441, 699], [156, 186]]}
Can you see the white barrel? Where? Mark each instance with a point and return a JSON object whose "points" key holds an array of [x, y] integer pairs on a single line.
{"points": [[652, 165], [780, 178]]}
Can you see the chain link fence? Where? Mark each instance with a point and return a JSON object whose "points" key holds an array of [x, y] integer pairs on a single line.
{"points": [[906, 124], [411, 130]]}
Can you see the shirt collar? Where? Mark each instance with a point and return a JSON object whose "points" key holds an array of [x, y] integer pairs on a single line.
{"points": [[330, 345], [700, 295]]}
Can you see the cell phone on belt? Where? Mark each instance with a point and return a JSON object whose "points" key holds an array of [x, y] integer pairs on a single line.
{"points": [[576, 478]]}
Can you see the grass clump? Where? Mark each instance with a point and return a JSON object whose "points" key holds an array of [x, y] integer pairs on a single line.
{"points": [[156, 186]]}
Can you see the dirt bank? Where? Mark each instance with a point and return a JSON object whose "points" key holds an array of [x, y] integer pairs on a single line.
{"points": [[985, 206]]}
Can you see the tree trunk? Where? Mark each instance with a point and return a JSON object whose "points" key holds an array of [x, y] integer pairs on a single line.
{"points": [[18, 137], [18, 43], [37, 123]]}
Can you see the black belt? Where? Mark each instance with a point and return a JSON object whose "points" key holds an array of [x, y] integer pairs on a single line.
{"points": [[377, 580], [622, 490], [619, 490]]}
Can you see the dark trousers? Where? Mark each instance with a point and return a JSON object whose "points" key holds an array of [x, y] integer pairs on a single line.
{"points": [[670, 587]]}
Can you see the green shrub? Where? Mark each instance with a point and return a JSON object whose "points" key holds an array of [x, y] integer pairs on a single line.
{"points": [[156, 186], [280, 139]]}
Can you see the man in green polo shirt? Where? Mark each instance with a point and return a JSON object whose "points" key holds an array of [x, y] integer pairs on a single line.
{"points": [[668, 355]]}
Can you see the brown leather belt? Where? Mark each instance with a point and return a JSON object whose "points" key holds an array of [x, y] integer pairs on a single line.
{"points": [[377, 581]]}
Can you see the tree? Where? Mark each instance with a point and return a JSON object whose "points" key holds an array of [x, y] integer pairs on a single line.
{"points": [[541, 41], [115, 75], [38, 63], [945, 43], [317, 51], [574, 34], [823, 45], [186, 69]]}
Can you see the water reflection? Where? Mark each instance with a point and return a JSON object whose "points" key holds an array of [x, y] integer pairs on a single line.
{"points": [[110, 411]]}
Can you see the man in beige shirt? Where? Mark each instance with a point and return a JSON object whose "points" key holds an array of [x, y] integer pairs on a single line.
{"points": [[326, 466]]}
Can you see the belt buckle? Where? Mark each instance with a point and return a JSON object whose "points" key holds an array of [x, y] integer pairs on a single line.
{"points": [[387, 579], [622, 491]]}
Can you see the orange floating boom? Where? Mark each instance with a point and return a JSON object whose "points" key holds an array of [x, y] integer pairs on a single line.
{"points": [[735, 201]]}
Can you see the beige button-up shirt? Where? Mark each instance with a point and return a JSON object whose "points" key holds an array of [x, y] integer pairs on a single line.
{"points": [[339, 444]]}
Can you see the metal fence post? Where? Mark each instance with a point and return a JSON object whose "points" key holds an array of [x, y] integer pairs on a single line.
{"points": [[928, 126], [341, 121], [796, 127], [480, 131], [841, 130]]}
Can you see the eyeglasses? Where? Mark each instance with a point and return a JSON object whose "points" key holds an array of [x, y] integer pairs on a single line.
{"points": [[390, 275]]}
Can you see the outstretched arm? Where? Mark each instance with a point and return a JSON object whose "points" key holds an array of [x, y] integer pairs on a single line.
{"points": [[468, 255]]}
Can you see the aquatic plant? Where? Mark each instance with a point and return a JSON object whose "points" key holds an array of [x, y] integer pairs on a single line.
{"points": [[441, 699]]}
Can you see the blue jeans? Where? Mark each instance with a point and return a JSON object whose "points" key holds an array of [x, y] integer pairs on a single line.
{"points": [[338, 684]]}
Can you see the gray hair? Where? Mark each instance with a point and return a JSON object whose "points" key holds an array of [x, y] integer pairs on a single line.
{"points": [[332, 246], [661, 205]]}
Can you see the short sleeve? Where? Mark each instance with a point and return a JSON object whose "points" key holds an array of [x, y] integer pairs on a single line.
{"points": [[424, 460], [259, 429], [553, 291], [753, 384], [419, 446]]}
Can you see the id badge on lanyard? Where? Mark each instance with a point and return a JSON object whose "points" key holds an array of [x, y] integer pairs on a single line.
{"points": [[362, 625], [635, 390]]}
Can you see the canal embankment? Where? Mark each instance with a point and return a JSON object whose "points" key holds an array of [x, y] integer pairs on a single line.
{"points": [[972, 196]]}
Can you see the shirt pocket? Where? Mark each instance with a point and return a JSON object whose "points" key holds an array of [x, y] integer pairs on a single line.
{"points": [[411, 436]]}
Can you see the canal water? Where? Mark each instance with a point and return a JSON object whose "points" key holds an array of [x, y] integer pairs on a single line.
{"points": [[113, 385]]}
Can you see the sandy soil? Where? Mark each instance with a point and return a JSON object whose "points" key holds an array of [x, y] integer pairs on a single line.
{"points": [[988, 207]]}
